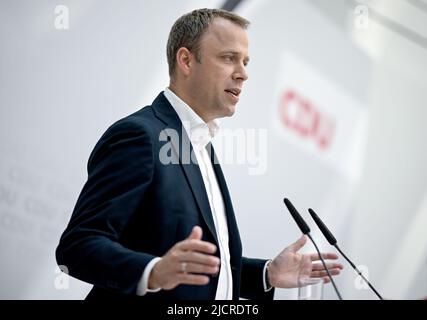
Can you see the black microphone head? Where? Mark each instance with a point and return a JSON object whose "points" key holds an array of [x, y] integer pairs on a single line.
{"points": [[297, 217], [328, 235]]}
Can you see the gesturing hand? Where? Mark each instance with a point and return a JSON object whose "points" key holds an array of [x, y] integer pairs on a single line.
{"points": [[185, 263], [289, 265]]}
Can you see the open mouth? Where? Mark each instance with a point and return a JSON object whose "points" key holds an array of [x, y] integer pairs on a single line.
{"points": [[235, 92]]}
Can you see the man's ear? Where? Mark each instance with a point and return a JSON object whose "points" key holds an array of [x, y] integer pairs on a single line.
{"points": [[184, 60]]}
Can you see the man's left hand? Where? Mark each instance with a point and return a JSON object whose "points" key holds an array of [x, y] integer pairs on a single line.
{"points": [[290, 265]]}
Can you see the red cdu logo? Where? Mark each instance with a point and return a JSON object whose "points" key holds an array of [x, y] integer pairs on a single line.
{"points": [[303, 118]]}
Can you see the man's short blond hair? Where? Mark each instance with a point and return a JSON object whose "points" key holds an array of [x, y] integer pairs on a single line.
{"points": [[188, 30]]}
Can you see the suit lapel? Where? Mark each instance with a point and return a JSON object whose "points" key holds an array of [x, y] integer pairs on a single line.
{"points": [[184, 151]]}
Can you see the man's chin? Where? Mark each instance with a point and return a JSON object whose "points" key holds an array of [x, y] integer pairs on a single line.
{"points": [[227, 112], [231, 110]]}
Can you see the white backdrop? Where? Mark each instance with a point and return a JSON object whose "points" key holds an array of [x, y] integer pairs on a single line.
{"points": [[362, 168]]}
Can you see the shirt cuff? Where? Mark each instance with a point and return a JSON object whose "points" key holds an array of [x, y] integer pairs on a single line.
{"points": [[264, 277], [142, 287]]}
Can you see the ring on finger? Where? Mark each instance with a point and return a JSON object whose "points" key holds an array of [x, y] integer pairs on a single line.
{"points": [[184, 267]]}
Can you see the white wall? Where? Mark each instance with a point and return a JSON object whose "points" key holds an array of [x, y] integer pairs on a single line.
{"points": [[390, 209]]}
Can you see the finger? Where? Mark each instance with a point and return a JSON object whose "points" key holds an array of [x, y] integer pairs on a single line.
{"points": [[298, 244], [196, 245], [185, 278], [319, 266], [329, 255], [201, 268], [320, 274], [196, 233], [196, 257]]}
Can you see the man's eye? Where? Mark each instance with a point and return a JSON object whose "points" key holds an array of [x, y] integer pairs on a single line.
{"points": [[228, 58]]}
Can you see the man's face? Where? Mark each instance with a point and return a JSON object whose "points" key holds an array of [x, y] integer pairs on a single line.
{"points": [[216, 82]]}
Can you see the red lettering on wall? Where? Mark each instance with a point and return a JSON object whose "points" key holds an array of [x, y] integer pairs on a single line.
{"points": [[303, 118]]}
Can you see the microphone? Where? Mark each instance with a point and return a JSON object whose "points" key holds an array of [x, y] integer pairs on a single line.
{"points": [[331, 239], [297, 217], [306, 230]]}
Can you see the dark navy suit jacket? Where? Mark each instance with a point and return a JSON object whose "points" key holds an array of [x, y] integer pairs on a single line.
{"points": [[134, 208]]}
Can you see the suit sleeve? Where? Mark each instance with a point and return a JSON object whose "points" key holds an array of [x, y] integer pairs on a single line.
{"points": [[252, 286], [120, 171]]}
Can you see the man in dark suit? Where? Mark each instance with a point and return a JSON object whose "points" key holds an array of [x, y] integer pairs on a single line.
{"points": [[155, 218]]}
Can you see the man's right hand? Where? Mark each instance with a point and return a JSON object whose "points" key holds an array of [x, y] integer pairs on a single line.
{"points": [[187, 262]]}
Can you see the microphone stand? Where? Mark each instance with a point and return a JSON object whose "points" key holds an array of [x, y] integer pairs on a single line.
{"points": [[305, 229], [358, 272], [324, 266], [332, 241]]}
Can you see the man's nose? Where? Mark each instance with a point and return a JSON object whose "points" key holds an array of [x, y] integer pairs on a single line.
{"points": [[240, 73]]}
